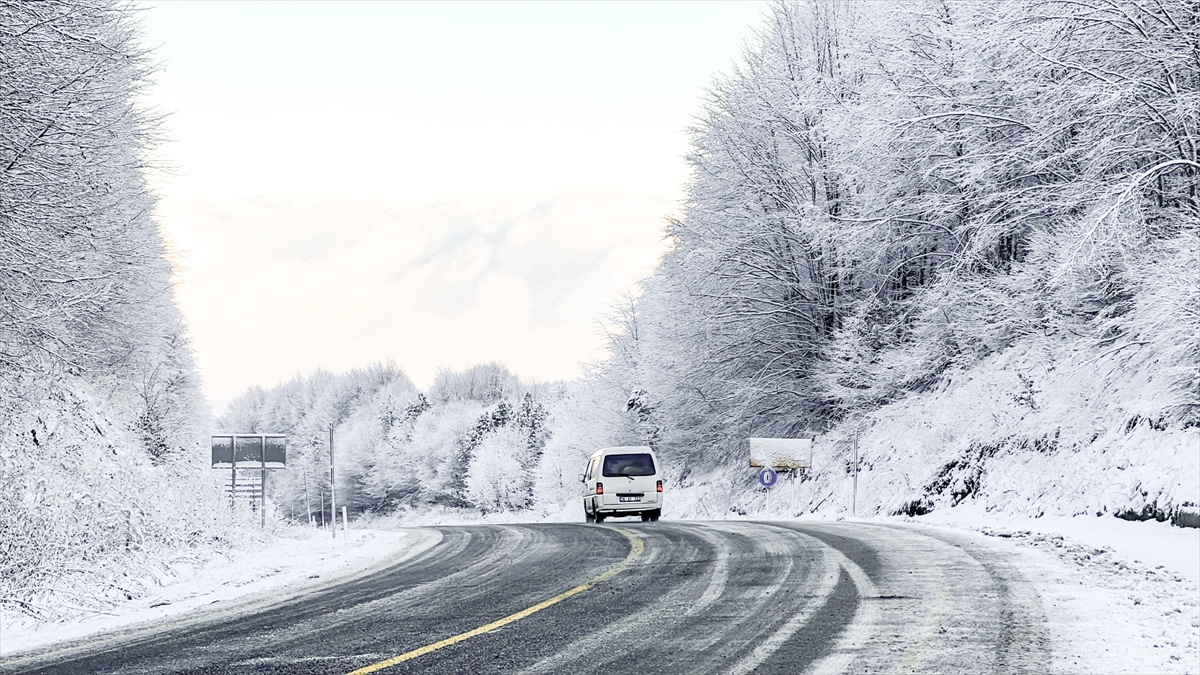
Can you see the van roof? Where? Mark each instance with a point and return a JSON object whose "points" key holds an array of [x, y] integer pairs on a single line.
{"points": [[622, 449]]}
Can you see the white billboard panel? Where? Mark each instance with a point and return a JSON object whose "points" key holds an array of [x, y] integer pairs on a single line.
{"points": [[781, 453]]}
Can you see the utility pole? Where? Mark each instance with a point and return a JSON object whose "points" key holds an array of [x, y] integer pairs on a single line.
{"points": [[332, 491], [262, 495], [307, 502]]}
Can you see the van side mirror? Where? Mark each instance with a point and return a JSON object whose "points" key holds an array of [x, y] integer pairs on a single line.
{"points": [[582, 478]]}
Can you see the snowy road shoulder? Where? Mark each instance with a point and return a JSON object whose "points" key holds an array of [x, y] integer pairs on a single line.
{"points": [[1119, 597], [304, 561]]}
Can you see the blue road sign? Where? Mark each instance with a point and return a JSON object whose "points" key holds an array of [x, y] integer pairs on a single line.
{"points": [[767, 477]]}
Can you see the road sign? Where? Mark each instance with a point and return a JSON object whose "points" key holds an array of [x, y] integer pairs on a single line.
{"points": [[767, 477], [249, 451], [781, 453]]}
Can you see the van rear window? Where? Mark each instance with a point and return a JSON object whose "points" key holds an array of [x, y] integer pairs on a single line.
{"points": [[639, 464]]}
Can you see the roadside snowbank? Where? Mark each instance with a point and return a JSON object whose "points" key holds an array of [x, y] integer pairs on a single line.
{"points": [[1150, 543], [1119, 597], [297, 559]]}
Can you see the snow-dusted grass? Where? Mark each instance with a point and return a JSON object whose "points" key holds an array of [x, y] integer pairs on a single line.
{"points": [[1150, 545], [293, 560]]}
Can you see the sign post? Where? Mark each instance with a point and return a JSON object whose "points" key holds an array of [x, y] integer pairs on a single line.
{"points": [[780, 454], [262, 487], [767, 478]]}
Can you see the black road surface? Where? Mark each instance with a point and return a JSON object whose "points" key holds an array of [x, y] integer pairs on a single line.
{"points": [[623, 597]]}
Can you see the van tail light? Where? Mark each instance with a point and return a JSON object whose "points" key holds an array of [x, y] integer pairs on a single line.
{"points": [[599, 488], [658, 486]]}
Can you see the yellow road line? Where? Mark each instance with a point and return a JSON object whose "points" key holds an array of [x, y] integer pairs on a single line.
{"points": [[932, 624], [636, 548]]}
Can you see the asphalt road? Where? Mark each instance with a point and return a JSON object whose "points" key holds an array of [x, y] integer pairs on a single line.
{"points": [[623, 597]]}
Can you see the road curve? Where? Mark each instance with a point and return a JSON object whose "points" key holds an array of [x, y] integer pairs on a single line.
{"points": [[623, 597]]}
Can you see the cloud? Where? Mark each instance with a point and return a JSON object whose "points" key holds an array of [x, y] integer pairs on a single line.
{"points": [[278, 285]]}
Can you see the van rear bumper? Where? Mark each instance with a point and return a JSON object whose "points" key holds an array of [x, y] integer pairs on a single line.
{"points": [[648, 503]]}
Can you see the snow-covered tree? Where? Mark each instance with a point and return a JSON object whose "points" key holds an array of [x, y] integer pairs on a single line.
{"points": [[884, 193], [101, 420]]}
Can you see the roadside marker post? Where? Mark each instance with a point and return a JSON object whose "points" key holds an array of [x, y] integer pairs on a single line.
{"points": [[854, 489], [332, 491], [345, 525], [307, 501]]}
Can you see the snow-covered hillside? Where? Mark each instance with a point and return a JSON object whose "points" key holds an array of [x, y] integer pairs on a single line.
{"points": [[966, 232], [1026, 432]]}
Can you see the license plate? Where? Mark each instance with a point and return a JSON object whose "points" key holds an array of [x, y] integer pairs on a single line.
{"points": [[630, 499]]}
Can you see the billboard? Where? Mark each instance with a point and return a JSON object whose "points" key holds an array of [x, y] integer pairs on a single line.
{"points": [[222, 452], [781, 453], [275, 451], [249, 451]]}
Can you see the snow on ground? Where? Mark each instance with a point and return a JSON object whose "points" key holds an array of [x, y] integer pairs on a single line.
{"points": [[298, 559], [1119, 596], [1147, 543]]}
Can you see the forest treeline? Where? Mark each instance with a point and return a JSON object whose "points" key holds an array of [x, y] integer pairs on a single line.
{"points": [[475, 440]]}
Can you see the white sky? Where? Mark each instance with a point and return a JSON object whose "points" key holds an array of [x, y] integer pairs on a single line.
{"points": [[439, 184]]}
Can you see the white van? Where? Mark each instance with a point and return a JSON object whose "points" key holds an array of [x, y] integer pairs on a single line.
{"points": [[622, 481]]}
